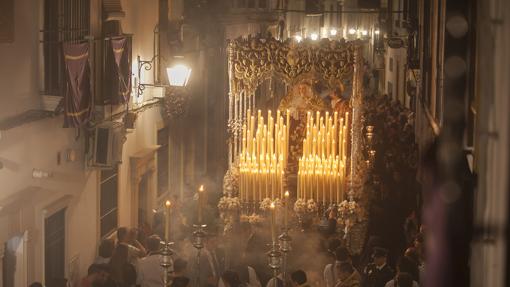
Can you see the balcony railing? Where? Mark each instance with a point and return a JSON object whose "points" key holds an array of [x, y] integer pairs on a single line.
{"points": [[104, 77]]}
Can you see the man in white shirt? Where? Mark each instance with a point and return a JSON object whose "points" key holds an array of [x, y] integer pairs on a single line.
{"points": [[149, 268]]}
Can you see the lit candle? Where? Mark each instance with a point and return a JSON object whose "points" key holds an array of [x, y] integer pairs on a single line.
{"points": [[273, 219], [200, 202], [168, 204], [286, 211]]}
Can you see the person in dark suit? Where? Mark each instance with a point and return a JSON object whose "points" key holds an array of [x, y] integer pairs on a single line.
{"points": [[378, 273]]}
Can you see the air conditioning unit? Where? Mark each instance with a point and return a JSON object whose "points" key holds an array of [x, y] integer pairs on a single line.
{"points": [[108, 142]]}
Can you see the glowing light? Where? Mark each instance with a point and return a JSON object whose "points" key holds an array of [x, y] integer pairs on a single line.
{"points": [[364, 32], [168, 203], [178, 75], [377, 32], [298, 38], [333, 32], [314, 36], [352, 31]]}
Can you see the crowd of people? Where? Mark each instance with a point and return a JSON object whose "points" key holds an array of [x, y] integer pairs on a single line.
{"points": [[126, 262]]}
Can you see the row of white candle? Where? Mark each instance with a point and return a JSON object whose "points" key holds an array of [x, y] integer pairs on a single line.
{"points": [[323, 166], [263, 156]]}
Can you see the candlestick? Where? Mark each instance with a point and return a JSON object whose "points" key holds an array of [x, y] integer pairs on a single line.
{"points": [[168, 204]]}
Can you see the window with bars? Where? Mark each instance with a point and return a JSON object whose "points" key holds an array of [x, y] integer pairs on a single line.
{"points": [[108, 204], [64, 21]]}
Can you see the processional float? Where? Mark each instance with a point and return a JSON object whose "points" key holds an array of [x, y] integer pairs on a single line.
{"points": [[259, 146]]}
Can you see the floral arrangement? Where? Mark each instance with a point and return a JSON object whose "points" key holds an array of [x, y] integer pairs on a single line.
{"points": [[311, 206], [302, 206], [231, 181], [265, 204], [347, 207], [252, 219], [349, 214], [229, 204]]}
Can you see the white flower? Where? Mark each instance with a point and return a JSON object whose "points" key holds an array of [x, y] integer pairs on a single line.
{"points": [[300, 206], [265, 204], [229, 204], [311, 206]]}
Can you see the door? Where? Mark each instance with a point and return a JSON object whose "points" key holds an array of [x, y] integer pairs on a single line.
{"points": [[54, 246]]}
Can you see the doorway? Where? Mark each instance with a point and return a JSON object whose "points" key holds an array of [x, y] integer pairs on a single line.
{"points": [[54, 246]]}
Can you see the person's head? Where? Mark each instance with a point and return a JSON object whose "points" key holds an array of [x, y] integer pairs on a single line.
{"points": [[106, 248], [344, 270], [342, 254], [180, 267], [298, 277], [153, 243], [98, 273], [403, 280], [231, 279], [180, 282], [380, 256], [122, 234]]}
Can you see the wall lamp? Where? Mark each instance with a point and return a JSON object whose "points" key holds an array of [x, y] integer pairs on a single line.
{"points": [[178, 74]]}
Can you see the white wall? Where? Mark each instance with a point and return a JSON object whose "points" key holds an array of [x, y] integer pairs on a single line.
{"points": [[19, 89], [26, 201]]}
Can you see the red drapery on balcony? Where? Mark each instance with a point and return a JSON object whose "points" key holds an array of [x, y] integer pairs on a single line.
{"points": [[78, 97]]}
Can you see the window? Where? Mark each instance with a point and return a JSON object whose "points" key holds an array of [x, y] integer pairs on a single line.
{"points": [[108, 204], [391, 64], [163, 151], [64, 21]]}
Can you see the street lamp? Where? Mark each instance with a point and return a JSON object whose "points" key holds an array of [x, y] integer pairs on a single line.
{"points": [[178, 75]]}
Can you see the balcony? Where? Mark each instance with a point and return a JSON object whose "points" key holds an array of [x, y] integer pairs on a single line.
{"points": [[103, 68]]}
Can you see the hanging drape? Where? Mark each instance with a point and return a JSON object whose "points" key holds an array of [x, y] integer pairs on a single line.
{"points": [[78, 97], [121, 52]]}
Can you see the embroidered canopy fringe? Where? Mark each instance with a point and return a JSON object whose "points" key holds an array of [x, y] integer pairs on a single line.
{"points": [[78, 98]]}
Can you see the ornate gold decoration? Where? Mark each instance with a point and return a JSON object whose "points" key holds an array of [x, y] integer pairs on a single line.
{"points": [[257, 58]]}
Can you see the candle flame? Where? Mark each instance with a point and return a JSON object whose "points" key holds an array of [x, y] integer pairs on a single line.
{"points": [[168, 203], [272, 206], [287, 193], [201, 188]]}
